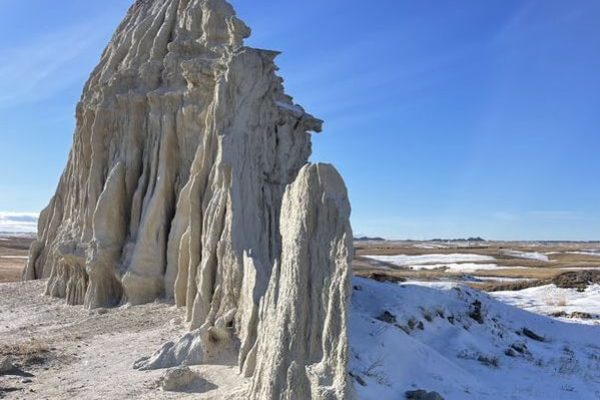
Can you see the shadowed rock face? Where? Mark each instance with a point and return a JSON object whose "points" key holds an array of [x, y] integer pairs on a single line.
{"points": [[184, 147], [302, 350]]}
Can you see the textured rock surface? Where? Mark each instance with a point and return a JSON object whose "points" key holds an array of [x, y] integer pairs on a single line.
{"points": [[185, 144], [187, 351], [6, 365], [302, 351], [183, 379]]}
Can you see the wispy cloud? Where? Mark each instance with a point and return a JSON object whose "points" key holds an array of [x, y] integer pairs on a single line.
{"points": [[14, 222], [40, 68]]}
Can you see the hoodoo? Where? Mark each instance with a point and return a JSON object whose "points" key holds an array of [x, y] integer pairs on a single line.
{"points": [[189, 180]]}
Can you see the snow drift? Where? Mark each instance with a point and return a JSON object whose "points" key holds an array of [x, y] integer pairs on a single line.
{"points": [[463, 344]]}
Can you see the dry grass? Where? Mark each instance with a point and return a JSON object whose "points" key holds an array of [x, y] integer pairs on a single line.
{"points": [[29, 352], [10, 272], [504, 286], [12, 251], [533, 272]]}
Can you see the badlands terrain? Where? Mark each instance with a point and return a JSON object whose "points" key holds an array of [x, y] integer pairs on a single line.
{"points": [[417, 321], [192, 250], [64, 352]]}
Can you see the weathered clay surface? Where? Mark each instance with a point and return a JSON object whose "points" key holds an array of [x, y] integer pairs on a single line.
{"points": [[187, 351], [302, 350], [185, 144], [183, 379]]}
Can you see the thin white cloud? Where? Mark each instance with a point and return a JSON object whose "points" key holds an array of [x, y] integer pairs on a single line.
{"points": [[14, 222], [38, 69]]}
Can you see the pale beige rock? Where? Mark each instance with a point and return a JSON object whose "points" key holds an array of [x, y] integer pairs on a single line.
{"points": [[302, 350], [185, 144], [187, 351], [183, 379]]}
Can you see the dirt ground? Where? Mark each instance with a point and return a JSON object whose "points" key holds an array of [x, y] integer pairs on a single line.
{"points": [[66, 352], [13, 257]]}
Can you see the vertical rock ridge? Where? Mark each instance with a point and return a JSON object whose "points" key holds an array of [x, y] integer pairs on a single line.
{"points": [[302, 352]]}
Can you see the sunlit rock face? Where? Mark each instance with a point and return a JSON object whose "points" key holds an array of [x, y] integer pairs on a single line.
{"points": [[184, 147]]}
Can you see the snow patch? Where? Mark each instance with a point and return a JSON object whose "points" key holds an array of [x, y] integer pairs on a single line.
{"points": [[527, 255], [552, 300], [406, 261]]}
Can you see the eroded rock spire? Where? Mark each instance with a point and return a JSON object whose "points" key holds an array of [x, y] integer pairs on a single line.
{"points": [[184, 147]]}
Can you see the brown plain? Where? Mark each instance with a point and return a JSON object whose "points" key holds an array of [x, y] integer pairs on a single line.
{"points": [[538, 272], [12, 261]]}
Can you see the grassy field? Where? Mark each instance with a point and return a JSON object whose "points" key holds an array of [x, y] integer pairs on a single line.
{"points": [[13, 257], [511, 271]]}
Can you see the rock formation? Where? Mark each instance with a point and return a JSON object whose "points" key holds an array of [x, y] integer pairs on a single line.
{"points": [[302, 348], [184, 147]]}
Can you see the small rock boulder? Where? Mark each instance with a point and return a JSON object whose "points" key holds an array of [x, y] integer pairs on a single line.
{"points": [[533, 336], [7, 365], [423, 395], [187, 351], [387, 317], [476, 312], [183, 379]]}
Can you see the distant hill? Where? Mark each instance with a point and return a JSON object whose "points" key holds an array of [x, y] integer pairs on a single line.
{"points": [[369, 239], [471, 239]]}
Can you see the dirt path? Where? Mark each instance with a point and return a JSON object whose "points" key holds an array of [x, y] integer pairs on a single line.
{"points": [[70, 353]]}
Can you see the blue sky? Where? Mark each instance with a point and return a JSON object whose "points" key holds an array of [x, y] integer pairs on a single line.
{"points": [[447, 118]]}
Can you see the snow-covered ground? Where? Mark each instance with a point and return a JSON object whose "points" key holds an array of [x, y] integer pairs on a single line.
{"points": [[552, 300], [465, 345], [411, 261], [459, 263], [528, 255], [461, 267], [430, 246]]}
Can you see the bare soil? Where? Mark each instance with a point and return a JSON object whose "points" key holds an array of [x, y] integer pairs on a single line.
{"points": [[66, 352]]}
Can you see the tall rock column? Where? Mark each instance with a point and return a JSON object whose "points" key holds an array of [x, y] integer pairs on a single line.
{"points": [[302, 351]]}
